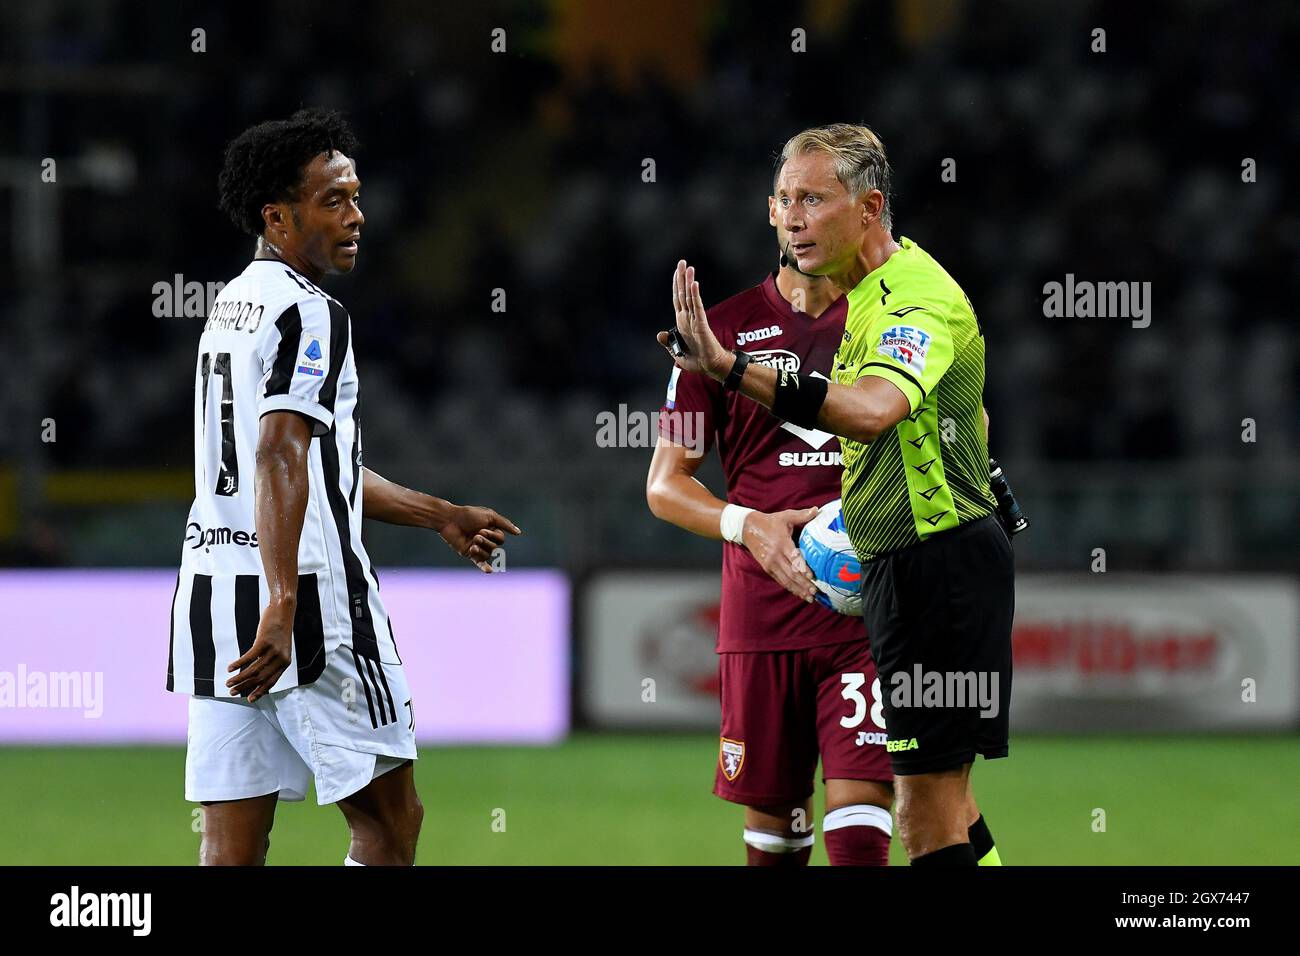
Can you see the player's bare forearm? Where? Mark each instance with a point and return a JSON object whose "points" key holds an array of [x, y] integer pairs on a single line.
{"points": [[281, 487], [675, 495], [471, 531], [391, 503]]}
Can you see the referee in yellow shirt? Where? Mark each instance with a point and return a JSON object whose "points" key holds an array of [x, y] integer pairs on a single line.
{"points": [[906, 400]]}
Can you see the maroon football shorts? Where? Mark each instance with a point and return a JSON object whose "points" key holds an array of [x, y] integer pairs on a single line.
{"points": [[781, 709]]}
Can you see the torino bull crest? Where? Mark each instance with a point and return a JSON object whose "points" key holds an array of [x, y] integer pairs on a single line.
{"points": [[731, 757]]}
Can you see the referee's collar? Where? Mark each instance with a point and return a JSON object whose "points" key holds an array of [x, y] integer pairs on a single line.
{"points": [[867, 282]]}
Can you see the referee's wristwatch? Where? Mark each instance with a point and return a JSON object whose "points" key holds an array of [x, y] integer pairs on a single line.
{"points": [[732, 382]]}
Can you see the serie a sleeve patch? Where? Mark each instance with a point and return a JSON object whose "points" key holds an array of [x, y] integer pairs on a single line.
{"points": [[312, 361], [671, 400]]}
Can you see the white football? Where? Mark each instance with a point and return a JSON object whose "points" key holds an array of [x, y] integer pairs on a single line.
{"points": [[831, 558]]}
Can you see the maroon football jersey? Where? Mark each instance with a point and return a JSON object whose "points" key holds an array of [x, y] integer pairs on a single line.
{"points": [[770, 465]]}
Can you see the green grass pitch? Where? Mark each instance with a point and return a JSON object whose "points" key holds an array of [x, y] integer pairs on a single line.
{"points": [[636, 799]]}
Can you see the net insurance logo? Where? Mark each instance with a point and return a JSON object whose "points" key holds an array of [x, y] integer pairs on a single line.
{"points": [[906, 344]]}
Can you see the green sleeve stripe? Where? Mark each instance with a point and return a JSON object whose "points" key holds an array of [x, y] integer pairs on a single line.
{"points": [[897, 371]]}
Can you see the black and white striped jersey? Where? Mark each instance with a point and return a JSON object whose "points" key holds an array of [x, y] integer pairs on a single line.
{"points": [[273, 341]]}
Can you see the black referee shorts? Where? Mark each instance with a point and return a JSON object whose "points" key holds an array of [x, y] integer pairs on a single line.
{"points": [[938, 616]]}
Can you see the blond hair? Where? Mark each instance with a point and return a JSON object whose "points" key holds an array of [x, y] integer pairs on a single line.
{"points": [[859, 156]]}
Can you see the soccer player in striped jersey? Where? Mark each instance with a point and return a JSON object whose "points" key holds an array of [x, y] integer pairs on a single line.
{"points": [[279, 633]]}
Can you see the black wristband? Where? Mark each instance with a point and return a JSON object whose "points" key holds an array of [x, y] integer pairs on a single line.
{"points": [[799, 398], [732, 382]]}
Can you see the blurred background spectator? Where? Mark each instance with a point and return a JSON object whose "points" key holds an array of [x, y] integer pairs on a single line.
{"points": [[523, 170]]}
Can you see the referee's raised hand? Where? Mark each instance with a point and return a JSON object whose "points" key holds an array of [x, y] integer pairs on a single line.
{"points": [[704, 353], [272, 652]]}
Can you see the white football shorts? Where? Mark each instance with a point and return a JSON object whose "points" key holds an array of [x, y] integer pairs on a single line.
{"points": [[353, 724]]}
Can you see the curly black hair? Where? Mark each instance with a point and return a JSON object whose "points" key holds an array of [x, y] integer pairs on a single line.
{"points": [[265, 162]]}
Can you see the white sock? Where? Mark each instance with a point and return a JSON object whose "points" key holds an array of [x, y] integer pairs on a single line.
{"points": [[348, 861], [770, 843], [859, 815]]}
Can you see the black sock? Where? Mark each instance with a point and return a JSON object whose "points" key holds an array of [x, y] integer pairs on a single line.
{"points": [[981, 840], [959, 854]]}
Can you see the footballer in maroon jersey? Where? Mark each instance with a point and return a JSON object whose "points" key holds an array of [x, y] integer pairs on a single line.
{"points": [[798, 681]]}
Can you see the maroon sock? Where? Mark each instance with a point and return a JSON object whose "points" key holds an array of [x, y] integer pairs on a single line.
{"points": [[858, 835], [757, 857], [857, 846]]}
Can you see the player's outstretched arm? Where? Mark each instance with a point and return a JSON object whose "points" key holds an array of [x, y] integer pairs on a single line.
{"points": [[859, 412], [675, 495], [471, 531], [280, 488]]}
